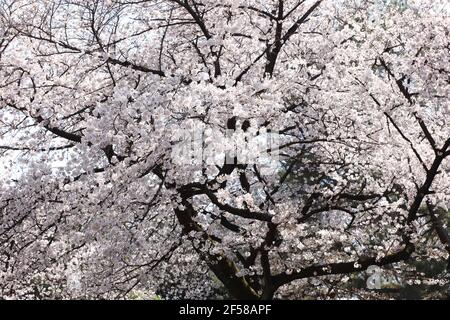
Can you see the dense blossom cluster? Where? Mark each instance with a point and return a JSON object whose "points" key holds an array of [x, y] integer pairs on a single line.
{"points": [[95, 203]]}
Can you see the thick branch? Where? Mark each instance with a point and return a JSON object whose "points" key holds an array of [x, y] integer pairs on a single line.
{"points": [[343, 267]]}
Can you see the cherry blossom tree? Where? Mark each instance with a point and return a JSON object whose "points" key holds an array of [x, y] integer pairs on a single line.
{"points": [[100, 200]]}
